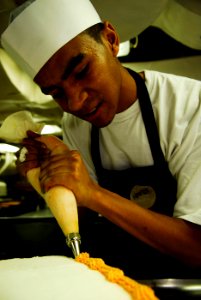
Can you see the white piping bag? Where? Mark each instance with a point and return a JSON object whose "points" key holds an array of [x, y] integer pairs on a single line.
{"points": [[59, 199]]}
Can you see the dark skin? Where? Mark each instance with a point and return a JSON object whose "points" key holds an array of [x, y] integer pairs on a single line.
{"points": [[87, 80], [95, 89]]}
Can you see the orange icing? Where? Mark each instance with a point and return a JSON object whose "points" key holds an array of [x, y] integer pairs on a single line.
{"points": [[137, 291]]}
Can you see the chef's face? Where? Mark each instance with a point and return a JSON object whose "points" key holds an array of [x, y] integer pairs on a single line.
{"points": [[84, 77]]}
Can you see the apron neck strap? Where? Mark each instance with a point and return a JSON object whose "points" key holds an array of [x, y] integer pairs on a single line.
{"points": [[149, 122], [148, 118]]}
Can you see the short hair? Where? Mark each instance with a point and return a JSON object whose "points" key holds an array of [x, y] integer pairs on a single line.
{"points": [[95, 31]]}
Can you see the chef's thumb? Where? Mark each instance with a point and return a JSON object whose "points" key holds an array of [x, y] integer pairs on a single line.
{"points": [[32, 134]]}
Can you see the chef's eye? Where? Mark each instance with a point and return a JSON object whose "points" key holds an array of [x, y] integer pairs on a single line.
{"points": [[81, 74]]}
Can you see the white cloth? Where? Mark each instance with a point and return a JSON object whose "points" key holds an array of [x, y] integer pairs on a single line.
{"points": [[176, 102], [187, 28], [45, 26]]}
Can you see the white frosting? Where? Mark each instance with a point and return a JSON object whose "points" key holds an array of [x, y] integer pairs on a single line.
{"points": [[54, 278]]}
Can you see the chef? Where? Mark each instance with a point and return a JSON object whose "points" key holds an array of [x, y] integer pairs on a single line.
{"points": [[133, 140]]}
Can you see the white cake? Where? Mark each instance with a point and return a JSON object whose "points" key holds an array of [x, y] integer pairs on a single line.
{"points": [[55, 278]]}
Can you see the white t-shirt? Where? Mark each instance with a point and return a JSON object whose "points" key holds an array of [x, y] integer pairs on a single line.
{"points": [[176, 103]]}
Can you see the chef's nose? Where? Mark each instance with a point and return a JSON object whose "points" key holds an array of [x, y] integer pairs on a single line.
{"points": [[76, 97]]}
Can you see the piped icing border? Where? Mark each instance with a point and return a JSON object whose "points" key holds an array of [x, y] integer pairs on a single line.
{"points": [[137, 291]]}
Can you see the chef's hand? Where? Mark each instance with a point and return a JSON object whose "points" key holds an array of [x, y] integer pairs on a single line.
{"points": [[65, 167], [31, 154]]}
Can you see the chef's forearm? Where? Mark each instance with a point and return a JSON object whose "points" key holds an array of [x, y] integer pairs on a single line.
{"points": [[170, 235]]}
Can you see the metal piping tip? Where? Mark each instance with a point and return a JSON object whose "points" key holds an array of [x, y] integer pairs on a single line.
{"points": [[73, 240]]}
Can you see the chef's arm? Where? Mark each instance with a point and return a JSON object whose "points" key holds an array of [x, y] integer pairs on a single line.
{"points": [[170, 235]]}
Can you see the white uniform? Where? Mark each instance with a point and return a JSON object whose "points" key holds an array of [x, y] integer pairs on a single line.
{"points": [[176, 103]]}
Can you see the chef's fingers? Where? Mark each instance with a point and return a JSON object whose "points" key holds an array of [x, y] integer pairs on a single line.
{"points": [[55, 171], [33, 150], [68, 170], [30, 161], [24, 167], [53, 143], [31, 142], [30, 157], [28, 142], [32, 134]]}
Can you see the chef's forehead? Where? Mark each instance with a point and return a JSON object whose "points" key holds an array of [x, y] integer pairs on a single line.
{"points": [[39, 28]]}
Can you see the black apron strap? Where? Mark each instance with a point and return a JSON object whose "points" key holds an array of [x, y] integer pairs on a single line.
{"points": [[149, 119], [149, 122]]}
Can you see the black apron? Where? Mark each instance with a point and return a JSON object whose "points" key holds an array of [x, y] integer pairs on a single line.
{"points": [[158, 176], [108, 241]]}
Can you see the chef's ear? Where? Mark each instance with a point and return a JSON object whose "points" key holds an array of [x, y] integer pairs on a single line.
{"points": [[111, 37]]}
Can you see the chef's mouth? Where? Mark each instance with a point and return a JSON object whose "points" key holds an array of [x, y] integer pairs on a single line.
{"points": [[92, 113]]}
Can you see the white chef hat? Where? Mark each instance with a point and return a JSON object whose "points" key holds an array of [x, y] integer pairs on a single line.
{"points": [[44, 27]]}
